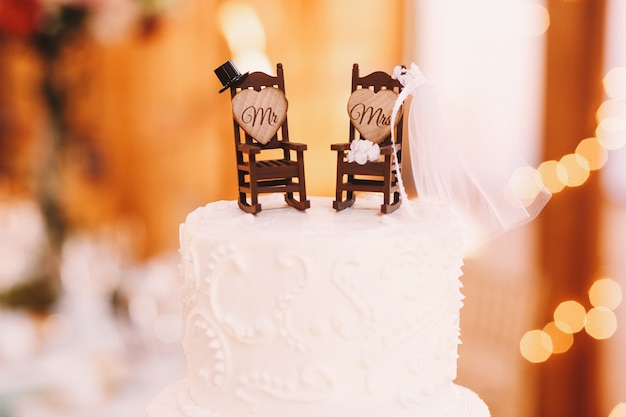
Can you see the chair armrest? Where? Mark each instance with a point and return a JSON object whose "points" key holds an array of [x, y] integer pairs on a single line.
{"points": [[388, 149], [294, 146], [248, 148], [341, 147]]}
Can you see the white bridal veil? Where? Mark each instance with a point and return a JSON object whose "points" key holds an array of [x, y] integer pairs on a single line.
{"points": [[489, 197]]}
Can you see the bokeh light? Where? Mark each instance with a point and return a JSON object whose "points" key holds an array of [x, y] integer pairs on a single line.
{"points": [[532, 19], [245, 35], [601, 323], [611, 132], [536, 346], [561, 341], [615, 83], [611, 108], [605, 293], [577, 169], [619, 410], [593, 152], [525, 184], [570, 316], [553, 175], [241, 26]]}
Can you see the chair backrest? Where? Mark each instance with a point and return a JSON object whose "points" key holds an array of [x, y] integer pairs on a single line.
{"points": [[370, 112], [259, 107]]}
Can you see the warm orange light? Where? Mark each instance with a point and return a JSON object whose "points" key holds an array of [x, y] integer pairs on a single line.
{"points": [[605, 293], [619, 410], [536, 346], [570, 316], [553, 175], [245, 35], [524, 185], [594, 154], [611, 108], [577, 169], [561, 341], [615, 83], [533, 19], [601, 323], [611, 132]]}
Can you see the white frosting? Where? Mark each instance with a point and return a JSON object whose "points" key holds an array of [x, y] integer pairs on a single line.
{"points": [[320, 313]]}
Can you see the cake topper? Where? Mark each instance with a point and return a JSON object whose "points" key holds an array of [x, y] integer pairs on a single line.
{"points": [[229, 75], [368, 162], [267, 161]]}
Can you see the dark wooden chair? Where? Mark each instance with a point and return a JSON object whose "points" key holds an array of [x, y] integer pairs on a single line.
{"points": [[370, 114], [267, 161]]}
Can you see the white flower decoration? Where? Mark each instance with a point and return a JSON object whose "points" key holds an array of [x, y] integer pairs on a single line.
{"points": [[407, 75], [363, 151]]}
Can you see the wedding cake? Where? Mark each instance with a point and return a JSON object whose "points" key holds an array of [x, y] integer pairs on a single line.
{"points": [[320, 313]]}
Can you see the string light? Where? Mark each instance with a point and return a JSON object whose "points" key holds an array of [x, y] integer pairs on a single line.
{"points": [[573, 170], [561, 341], [591, 154], [615, 83], [601, 323], [577, 169], [570, 317], [536, 346], [553, 174], [619, 410], [605, 293], [533, 19]]}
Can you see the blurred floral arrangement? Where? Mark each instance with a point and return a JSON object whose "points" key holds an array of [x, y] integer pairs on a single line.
{"points": [[49, 23], [48, 28]]}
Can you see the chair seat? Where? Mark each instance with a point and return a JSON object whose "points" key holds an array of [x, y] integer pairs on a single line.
{"points": [[371, 168], [273, 168]]}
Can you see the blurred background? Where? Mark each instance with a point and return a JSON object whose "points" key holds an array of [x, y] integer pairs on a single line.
{"points": [[112, 130]]}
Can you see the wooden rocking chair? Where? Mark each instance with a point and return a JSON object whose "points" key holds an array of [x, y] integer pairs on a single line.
{"points": [[369, 108], [267, 162]]}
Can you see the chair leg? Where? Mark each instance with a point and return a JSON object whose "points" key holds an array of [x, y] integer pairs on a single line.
{"points": [[253, 206], [247, 207], [390, 182], [302, 203], [340, 204], [387, 208]]}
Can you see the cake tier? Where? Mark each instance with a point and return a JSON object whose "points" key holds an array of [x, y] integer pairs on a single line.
{"points": [[174, 401], [303, 314]]}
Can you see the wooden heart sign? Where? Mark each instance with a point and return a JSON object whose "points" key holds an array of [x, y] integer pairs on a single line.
{"points": [[370, 113], [260, 113]]}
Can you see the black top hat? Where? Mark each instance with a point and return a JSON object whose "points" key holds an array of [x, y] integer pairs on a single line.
{"points": [[229, 75]]}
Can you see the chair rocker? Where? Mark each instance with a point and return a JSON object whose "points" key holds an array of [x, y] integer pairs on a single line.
{"points": [[369, 108], [267, 162]]}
